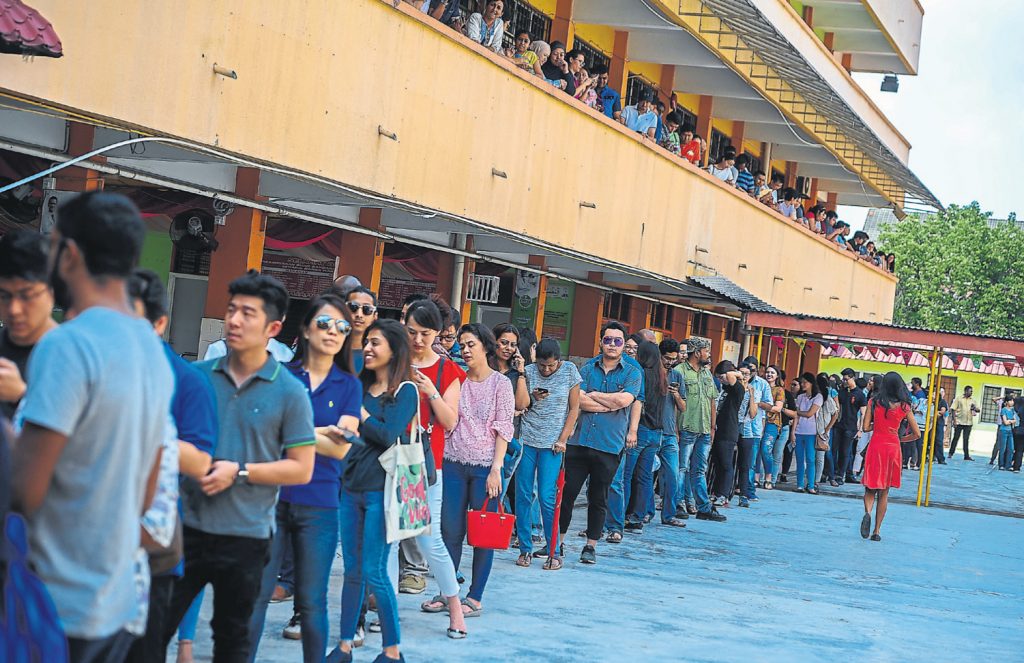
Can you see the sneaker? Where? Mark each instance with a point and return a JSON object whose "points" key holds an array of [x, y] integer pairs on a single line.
{"points": [[782, 479], [755, 498], [588, 556], [635, 528], [411, 584], [280, 595], [800, 490], [293, 631], [359, 638], [712, 515], [968, 458], [744, 502], [374, 626]]}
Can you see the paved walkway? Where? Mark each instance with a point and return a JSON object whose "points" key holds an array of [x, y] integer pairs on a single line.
{"points": [[789, 578]]}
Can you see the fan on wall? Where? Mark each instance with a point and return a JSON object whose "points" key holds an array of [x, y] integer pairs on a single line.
{"points": [[193, 230]]}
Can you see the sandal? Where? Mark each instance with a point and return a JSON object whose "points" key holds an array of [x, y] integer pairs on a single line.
{"points": [[768, 485], [524, 560], [456, 634], [435, 605], [673, 522], [614, 537], [553, 564], [474, 610]]}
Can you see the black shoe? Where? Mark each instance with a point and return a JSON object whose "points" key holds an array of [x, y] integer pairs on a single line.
{"points": [[635, 528], [942, 462], [852, 479], [681, 514], [338, 656], [712, 515], [384, 658], [968, 458], [588, 556], [865, 526], [876, 537], [783, 479]]}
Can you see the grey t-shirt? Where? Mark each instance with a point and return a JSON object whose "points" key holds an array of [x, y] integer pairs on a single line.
{"points": [[102, 380], [258, 422], [543, 422]]}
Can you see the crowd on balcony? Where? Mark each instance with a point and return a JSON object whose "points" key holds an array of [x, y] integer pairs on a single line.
{"points": [[663, 125]]}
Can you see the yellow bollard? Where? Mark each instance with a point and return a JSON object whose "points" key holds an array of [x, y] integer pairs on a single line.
{"points": [[928, 428]]}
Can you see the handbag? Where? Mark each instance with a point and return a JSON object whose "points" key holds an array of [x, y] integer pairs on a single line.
{"points": [[406, 509], [488, 529]]}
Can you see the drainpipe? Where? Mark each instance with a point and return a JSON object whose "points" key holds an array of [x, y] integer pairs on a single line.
{"points": [[458, 272]]}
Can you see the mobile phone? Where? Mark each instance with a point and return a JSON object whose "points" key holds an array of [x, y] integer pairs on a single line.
{"points": [[541, 390]]}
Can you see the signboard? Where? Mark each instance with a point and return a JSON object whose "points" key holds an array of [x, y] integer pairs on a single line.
{"points": [[304, 279], [394, 291], [558, 312], [731, 351]]}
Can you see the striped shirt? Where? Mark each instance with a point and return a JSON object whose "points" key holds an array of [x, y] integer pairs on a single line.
{"points": [[745, 181]]}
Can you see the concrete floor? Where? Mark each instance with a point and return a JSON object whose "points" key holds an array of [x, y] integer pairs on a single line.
{"points": [[789, 578]]}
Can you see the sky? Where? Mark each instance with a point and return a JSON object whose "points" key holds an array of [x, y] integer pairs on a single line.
{"points": [[962, 112]]}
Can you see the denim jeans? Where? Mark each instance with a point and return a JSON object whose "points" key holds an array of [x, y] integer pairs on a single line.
{"points": [[540, 468], [845, 447], [465, 487], [684, 491], [805, 461], [747, 448], [764, 459], [671, 496], [697, 478], [777, 450], [312, 535], [439, 562], [620, 491], [1005, 448], [638, 486], [513, 456], [365, 551]]}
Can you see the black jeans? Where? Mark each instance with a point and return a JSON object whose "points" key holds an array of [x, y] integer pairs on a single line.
{"points": [[151, 648], [234, 566], [966, 430], [112, 649], [743, 462], [600, 467], [845, 446], [723, 467], [787, 457]]}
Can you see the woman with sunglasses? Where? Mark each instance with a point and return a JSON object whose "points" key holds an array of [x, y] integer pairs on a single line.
{"points": [[439, 382], [389, 408], [307, 516], [473, 454]]}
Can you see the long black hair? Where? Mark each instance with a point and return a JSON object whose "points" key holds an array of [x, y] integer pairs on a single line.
{"points": [[809, 377], [527, 344], [400, 367], [649, 357], [342, 359], [892, 391]]}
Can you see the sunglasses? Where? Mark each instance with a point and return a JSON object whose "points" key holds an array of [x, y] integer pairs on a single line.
{"points": [[341, 325], [368, 309], [613, 341]]}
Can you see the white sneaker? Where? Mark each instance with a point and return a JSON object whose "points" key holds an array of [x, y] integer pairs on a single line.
{"points": [[293, 631]]}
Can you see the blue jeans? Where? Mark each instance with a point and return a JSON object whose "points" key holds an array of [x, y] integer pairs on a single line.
{"points": [[187, 627], [365, 550], [684, 491], [465, 487], [647, 446], [671, 496], [538, 467], [311, 533], [778, 451], [805, 461], [763, 462], [621, 487], [513, 456], [1005, 448], [698, 476]]}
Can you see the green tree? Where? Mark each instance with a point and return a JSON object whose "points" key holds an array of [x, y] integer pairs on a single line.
{"points": [[957, 273]]}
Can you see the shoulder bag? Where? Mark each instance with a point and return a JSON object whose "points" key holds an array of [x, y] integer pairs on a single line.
{"points": [[406, 509]]}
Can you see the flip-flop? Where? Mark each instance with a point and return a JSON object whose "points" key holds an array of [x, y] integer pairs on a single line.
{"points": [[474, 611], [428, 606], [524, 560], [673, 522], [553, 564], [456, 634], [614, 537], [865, 526]]}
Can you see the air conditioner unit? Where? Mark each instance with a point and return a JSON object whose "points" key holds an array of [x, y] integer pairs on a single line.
{"points": [[803, 185], [483, 289]]}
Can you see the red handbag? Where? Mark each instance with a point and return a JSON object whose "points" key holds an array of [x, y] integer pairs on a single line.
{"points": [[488, 529]]}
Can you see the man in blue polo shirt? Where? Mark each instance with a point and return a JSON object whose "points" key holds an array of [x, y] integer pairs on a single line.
{"points": [[609, 389], [609, 99], [265, 440]]}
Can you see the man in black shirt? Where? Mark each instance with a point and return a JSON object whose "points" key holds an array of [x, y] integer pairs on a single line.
{"points": [[26, 305], [557, 69], [851, 401]]}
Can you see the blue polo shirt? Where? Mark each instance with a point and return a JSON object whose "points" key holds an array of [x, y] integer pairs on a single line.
{"points": [[194, 406], [606, 431], [340, 393], [610, 101]]}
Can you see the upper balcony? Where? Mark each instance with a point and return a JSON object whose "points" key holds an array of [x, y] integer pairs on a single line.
{"points": [[376, 105]]}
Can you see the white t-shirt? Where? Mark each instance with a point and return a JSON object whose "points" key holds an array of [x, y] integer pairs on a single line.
{"points": [[724, 174]]}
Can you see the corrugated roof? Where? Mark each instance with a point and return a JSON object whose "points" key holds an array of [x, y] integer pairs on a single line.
{"points": [[725, 288]]}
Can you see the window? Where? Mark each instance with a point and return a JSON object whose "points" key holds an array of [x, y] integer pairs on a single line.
{"points": [[699, 325], [521, 16], [732, 330], [616, 306], [689, 119], [991, 402], [755, 163], [636, 86], [594, 56], [716, 146], [662, 317]]}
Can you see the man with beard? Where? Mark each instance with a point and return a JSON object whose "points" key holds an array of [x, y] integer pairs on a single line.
{"points": [[695, 422]]}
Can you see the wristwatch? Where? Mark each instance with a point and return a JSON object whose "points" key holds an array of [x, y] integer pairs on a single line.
{"points": [[434, 396], [243, 474]]}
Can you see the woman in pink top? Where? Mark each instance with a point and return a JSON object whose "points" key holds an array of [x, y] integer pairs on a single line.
{"points": [[474, 452]]}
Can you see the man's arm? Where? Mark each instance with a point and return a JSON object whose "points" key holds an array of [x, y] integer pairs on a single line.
{"points": [[634, 423], [614, 401], [588, 404], [34, 460]]}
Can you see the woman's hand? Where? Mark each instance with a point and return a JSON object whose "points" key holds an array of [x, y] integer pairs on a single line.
{"points": [[518, 363], [494, 482], [559, 447], [423, 384]]}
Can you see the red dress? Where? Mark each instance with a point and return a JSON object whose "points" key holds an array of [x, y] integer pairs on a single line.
{"points": [[883, 460]]}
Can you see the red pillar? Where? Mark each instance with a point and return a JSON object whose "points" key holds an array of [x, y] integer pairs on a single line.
{"points": [[704, 111], [587, 315], [738, 128], [240, 247], [363, 255], [716, 332], [617, 67], [81, 140], [562, 27]]}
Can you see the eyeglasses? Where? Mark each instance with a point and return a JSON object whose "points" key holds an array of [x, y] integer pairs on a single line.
{"points": [[368, 309], [447, 338], [614, 341], [341, 325], [24, 296]]}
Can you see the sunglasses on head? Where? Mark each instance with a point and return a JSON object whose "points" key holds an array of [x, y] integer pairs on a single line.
{"points": [[613, 341], [341, 325], [368, 309]]}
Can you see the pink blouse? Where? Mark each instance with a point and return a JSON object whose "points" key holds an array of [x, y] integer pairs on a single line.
{"points": [[485, 409]]}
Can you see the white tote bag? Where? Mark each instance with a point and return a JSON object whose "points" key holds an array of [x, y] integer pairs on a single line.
{"points": [[406, 510]]}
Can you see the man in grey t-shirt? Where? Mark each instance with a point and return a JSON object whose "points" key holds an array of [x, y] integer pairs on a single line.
{"points": [[95, 417]]}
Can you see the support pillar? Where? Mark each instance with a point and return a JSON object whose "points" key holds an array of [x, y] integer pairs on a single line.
{"points": [[240, 249], [587, 316], [846, 59], [808, 16], [363, 255], [617, 67], [812, 357], [832, 200], [716, 332], [667, 83], [562, 28], [704, 111], [540, 262], [738, 128], [791, 357], [830, 41], [680, 325], [814, 191], [790, 174], [81, 140], [639, 314], [445, 272]]}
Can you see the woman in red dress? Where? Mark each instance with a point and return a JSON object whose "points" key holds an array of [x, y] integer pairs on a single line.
{"points": [[883, 459]]}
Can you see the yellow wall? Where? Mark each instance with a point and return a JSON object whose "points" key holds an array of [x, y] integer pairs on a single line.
{"points": [[308, 98], [598, 36]]}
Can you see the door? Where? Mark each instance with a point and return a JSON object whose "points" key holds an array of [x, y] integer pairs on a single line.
{"points": [[187, 294]]}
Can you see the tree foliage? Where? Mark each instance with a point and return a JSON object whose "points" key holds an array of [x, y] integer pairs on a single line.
{"points": [[957, 273]]}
